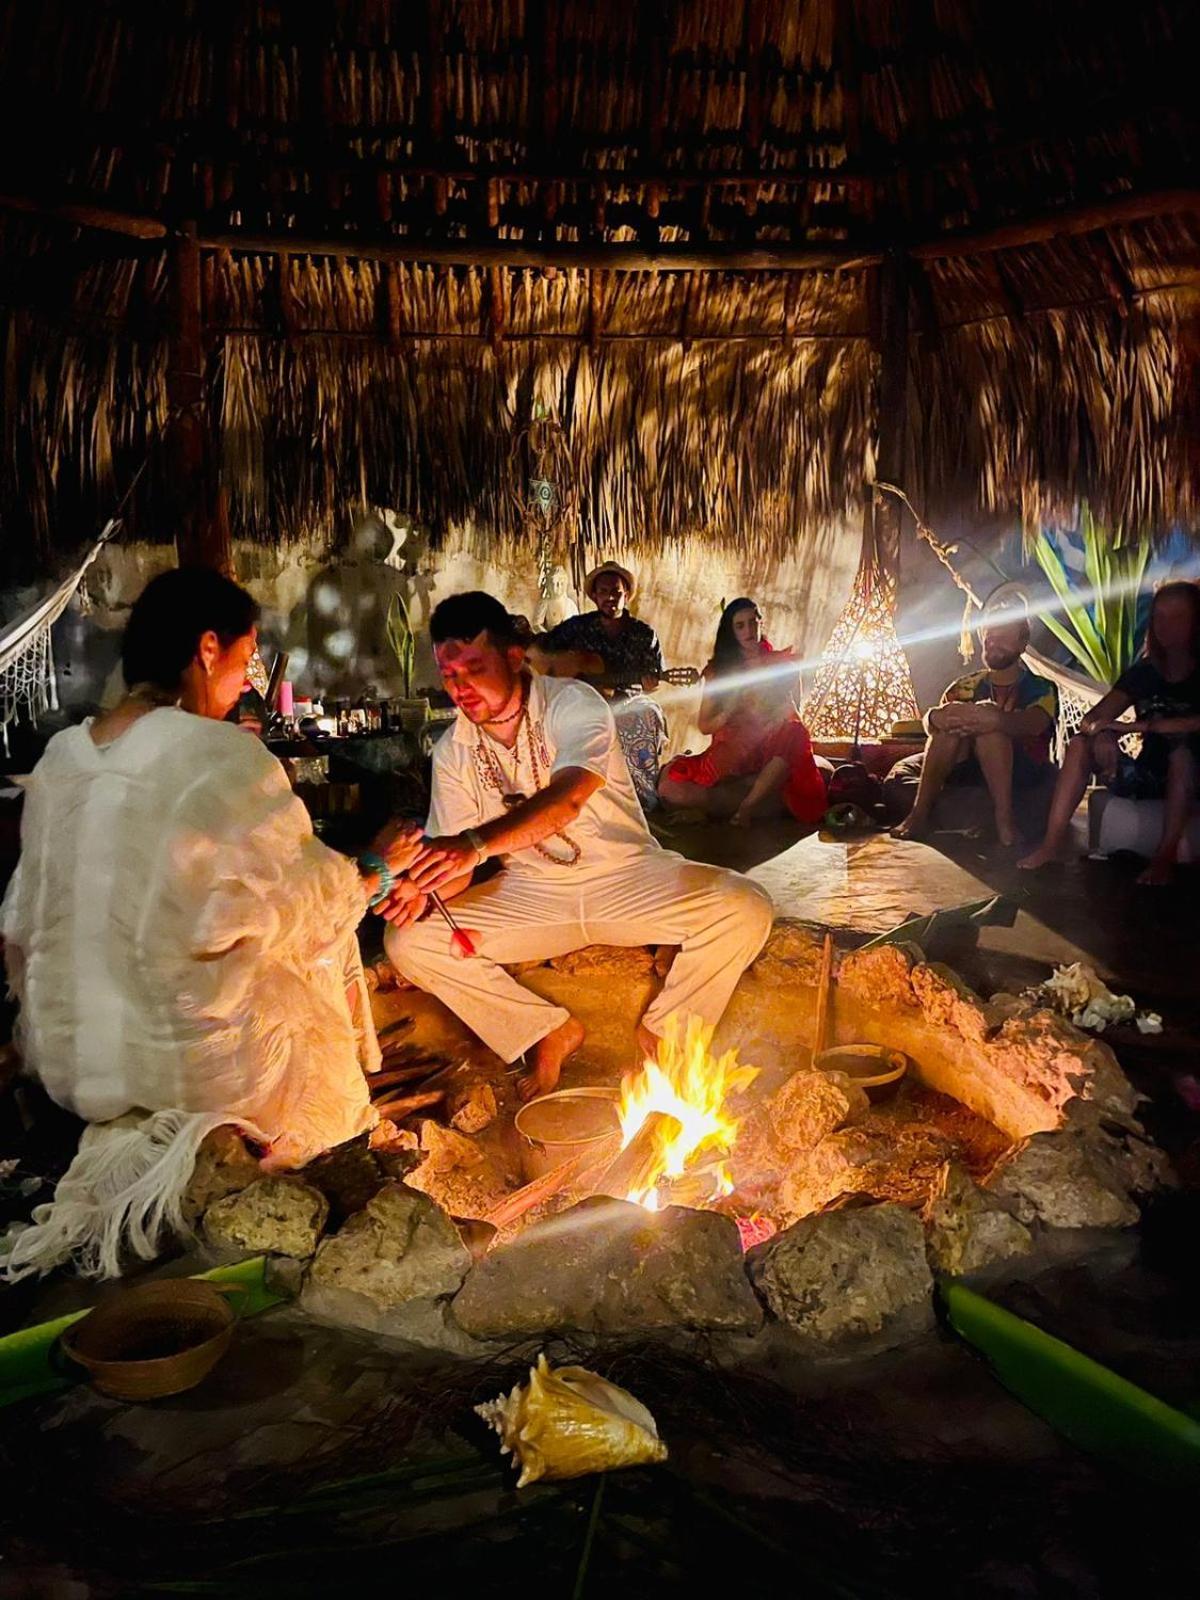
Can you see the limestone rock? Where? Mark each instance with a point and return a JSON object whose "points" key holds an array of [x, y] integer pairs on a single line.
{"points": [[947, 1002], [224, 1166], [281, 1215], [900, 1165], [1048, 1057], [880, 977], [847, 1275], [811, 1105], [967, 1229], [400, 1248], [791, 955], [606, 1266], [610, 961], [473, 1108], [1057, 1179]]}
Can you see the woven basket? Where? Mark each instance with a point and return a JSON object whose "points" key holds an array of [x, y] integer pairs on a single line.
{"points": [[154, 1340]]}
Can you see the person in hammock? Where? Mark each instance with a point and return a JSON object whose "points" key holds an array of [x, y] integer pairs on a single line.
{"points": [[1163, 686], [181, 947], [755, 733]]}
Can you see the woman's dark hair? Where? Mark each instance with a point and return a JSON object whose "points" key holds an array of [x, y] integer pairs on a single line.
{"points": [[465, 616], [169, 617], [727, 652], [1176, 589]]}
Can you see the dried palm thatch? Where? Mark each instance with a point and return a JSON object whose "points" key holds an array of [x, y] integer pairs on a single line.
{"points": [[730, 406]]}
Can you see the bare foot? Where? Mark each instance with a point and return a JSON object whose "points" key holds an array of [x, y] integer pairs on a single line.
{"points": [[647, 1042], [1007, 836], [741, 818], [548, 1057], [1037, 859], [914, 828], [1160, 871]]}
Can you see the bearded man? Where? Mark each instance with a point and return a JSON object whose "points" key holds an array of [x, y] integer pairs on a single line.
{"points": [[994, 727], [531, 774]]}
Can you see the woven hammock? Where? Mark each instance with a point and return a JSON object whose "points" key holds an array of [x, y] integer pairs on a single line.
{"points": [[27, 682]]}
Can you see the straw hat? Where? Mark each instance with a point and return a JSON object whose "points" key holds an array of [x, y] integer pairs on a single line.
{"points": [[626, 577], [1007, 602]]}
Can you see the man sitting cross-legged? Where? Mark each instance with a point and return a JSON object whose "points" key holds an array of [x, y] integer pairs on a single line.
{"points": [[993, 727], [532, 773]]}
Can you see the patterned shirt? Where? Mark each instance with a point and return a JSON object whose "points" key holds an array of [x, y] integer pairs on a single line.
{"points": [[1029, 690], [633, 652]]}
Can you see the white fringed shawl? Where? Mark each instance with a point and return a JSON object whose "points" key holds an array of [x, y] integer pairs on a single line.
{"points": [[182, 947]]}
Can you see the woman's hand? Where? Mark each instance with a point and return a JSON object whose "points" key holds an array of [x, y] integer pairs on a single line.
{"points": [[405, 904], [399, 843], [441, 861]]}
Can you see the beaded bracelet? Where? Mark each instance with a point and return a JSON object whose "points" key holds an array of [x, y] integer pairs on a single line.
{"points": [[370, 862]]}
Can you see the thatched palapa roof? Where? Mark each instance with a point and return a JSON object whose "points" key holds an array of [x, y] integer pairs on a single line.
{"points": [[674, 223]]}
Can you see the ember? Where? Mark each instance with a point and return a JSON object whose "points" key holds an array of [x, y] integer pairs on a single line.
{"points": [[687, 1087], [755, 1229]]}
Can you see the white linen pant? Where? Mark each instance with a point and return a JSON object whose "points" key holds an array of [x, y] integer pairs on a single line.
{"points": [[719, 919]]}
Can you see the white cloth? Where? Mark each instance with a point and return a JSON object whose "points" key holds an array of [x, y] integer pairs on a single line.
{"points": [[624, 890], [180, 945]]}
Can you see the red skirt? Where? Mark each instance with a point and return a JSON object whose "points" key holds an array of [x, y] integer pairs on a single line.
{"points": [[743, 753]]}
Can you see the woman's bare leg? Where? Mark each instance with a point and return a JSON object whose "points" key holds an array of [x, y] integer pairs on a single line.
{"points": [[768, 784], [942, 754], [1178, 804], [994, 752], [1085, 755]]}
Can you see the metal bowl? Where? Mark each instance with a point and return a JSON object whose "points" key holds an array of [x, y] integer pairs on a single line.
{"points": [[870, 1066], [545, 1127]]}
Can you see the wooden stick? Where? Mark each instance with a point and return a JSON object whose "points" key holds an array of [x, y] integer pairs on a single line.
{"points": [[574, 1169], [638, 1164], [410, 1074], [824, 984], [397, 1110]]}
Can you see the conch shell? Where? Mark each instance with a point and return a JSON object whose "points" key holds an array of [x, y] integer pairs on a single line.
{"points": [[568, 1422]]}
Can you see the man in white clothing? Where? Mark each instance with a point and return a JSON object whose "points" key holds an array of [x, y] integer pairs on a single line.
{"points": [[532, 773]]}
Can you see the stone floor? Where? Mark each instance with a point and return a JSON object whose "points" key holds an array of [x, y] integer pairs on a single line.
{"points": [[912, 1473]]}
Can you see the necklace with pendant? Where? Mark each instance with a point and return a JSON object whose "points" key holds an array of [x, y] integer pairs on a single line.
{"points": [[491, 773]]}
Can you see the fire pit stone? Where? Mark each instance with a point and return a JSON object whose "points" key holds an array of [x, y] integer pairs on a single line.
{"points": [[811, 1105], [1061, 1180], [848, 1276], [391, 1269], [224, 1166], [966, 1229], [606, 1266], [282, 1216]]}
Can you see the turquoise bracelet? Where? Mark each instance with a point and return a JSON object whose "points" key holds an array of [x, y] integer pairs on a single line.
{"points": [[370, 862]]}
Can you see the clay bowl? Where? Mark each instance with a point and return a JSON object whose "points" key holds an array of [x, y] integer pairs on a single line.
{"points": [[873, 1067], [155, 1339], [555, 1127]]}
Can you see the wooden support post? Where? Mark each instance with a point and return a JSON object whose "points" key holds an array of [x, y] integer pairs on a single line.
{"points": [[496, 308], [201, 532], [691, 304], [891, 416]]}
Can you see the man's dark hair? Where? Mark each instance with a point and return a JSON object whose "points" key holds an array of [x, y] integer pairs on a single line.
{"points": [[169, 618], [464, 616]]}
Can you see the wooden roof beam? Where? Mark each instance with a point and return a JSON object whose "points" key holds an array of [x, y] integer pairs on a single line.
{"points": [[766, 257], [1068, 223]]}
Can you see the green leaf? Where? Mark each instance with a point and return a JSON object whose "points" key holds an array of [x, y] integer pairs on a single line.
{"points": [[1092, 1405]]}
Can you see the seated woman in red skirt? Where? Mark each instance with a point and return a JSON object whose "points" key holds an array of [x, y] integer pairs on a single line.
{"points": [[755, 731]]}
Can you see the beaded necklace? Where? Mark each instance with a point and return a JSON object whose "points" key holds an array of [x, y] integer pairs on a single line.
{"points": [[491, 775]]}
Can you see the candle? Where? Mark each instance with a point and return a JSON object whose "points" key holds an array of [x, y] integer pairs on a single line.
{"points": [[287, 704]]}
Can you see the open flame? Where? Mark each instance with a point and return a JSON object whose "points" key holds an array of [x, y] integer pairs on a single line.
{"points": [[686, 1082]]}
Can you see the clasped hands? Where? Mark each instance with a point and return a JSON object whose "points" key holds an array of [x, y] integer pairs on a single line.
{"points": [[421, 865], [966, 718]]}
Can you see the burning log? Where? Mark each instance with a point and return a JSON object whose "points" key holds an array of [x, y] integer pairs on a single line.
{"points": [[640, 1164], [574, 1170]]}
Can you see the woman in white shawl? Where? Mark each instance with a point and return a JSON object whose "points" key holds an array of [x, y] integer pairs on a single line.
{"points": [[181, 946]]}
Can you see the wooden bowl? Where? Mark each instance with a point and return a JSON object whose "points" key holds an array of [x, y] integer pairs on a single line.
{"points": [[155, 1339]]}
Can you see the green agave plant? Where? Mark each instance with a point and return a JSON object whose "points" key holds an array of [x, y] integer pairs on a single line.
{"points": [[401, 638], [1099, 628]]}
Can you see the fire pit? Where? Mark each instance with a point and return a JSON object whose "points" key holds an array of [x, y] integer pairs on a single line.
{"points": [[732, 1161]]}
